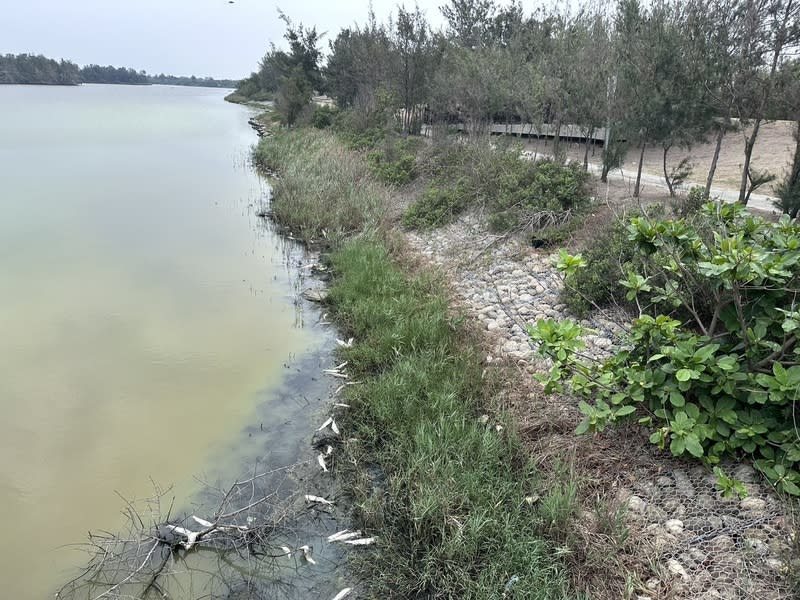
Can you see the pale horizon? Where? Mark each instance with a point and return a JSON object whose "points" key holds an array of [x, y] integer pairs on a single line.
{"points": [[205, 38]]}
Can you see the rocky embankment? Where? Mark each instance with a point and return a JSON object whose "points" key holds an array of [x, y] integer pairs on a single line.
{"points": [[689, 541]]}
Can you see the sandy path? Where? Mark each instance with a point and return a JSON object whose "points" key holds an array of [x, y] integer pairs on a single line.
{"points": [[773, 151]]}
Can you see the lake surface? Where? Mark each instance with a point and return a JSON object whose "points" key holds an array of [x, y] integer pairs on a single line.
{"points": [[144, 313]]}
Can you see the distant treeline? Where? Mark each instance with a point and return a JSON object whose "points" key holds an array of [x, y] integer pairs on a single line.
{"points": [[33, 69]]}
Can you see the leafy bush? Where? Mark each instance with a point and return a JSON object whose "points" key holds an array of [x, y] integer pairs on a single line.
{"points": [[686, 206], [609, 255], [726, 379], [395, 160], [515, 192], [323, 117], [437, 207]]}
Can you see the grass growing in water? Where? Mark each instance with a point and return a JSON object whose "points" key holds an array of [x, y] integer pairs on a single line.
{"points": [[450, 507], [324, 191]]}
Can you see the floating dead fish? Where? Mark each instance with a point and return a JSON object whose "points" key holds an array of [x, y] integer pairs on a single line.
{"points": [[317, 499], [347, 344], [203, 522], [343, 594], [286, 550], [327, 422], [321, 461], [191, 536], [307, 553], [361, 542], [348, 536], [333, 373], [335, 536]]}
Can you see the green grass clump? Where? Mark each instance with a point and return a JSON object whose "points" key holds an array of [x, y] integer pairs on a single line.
{"points": [[451, 513], [324, 192]]}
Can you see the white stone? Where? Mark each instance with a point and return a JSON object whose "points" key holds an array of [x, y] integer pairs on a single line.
{"points": [[636, 504], [751, 504], [677, 569], [674, 526]]}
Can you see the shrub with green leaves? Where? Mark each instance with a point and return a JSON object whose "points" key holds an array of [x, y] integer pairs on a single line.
{"points": [[608, 255], [516, 193], [324, 117], [724, 377], [395, 160]]}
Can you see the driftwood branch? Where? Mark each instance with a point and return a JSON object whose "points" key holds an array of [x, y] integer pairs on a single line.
{"points": [[243, 524]]}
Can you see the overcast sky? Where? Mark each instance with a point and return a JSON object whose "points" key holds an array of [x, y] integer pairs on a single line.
{"points": [[177, 37]]}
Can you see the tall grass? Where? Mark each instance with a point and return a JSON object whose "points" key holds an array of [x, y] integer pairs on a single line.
{"points": [[324, 192], [451, 511]]}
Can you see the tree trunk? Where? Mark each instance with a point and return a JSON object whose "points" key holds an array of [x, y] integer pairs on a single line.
{"points": [[639, 170], [586, 149], [557, 140], [749, 144], [715, 158], [793, 179], [666, 175], [781, 39]]}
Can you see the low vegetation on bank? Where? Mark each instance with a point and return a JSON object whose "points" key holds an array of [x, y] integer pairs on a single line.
{"points": [[457, 502]]}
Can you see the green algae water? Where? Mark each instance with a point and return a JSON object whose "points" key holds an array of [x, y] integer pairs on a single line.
{"points": [[144, 313]]}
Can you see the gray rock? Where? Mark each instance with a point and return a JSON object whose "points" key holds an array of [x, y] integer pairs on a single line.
{"points": [[674, 526], [677, 569], [683, 484], [636, 505], [752, 505]]}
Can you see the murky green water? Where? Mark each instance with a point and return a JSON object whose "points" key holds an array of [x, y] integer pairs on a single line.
{"points": [[142, 310]]}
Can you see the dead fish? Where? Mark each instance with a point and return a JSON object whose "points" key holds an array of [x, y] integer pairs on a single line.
{"points": [[348, 536], [335, 536], [307, 552], [191, 536], [347, 344], [203, 522], [334, 427], [317, 499], [344, 593], [286, 550], [328, 450], [321, 461], [334, 373], [327, 422], [361, 542], [341, 405]]}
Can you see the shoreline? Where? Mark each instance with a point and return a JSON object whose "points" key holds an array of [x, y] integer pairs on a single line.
{"points": [[302, 396]]}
